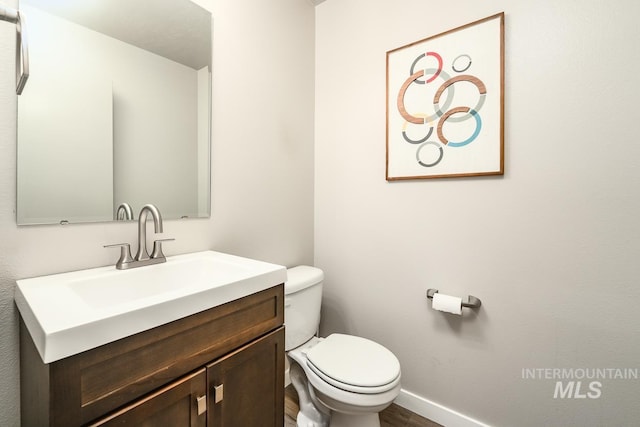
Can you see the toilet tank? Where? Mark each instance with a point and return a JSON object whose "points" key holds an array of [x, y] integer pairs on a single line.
{"points": [[302, 299]]}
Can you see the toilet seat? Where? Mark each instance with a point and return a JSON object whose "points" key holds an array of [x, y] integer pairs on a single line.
{"points": [[354, 364], [337, 397]]}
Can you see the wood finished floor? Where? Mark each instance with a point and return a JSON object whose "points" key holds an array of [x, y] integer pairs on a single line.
{"points": [[393, 416]]}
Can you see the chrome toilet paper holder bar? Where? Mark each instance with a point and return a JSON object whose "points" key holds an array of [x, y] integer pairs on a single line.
{"points": [[472, 302]]}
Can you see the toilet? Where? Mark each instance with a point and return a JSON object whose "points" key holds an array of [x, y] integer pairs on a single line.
{"points": [[341, 380]]}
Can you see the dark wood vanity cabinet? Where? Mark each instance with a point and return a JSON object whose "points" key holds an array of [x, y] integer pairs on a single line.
{"points": [[173, 405], [223, 367], [244, 394]]}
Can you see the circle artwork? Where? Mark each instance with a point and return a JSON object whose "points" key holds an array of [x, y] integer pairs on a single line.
{"points": [[445, 104], [443, 112]]}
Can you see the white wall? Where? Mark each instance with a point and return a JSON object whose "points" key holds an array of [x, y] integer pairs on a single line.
{"points": [[551, 247], [262, 158]]}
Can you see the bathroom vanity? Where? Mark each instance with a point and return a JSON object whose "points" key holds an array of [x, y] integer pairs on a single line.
{"points": [[223, 366]]}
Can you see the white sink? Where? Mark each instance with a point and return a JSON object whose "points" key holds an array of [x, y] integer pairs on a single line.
{"points": [[69, 313]]}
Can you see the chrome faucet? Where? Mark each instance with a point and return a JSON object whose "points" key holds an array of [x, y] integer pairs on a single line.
{"points": [[142, 256], [124, 212]]}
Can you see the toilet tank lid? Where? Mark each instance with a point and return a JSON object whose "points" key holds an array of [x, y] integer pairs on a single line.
{"points": [[301, 277]]}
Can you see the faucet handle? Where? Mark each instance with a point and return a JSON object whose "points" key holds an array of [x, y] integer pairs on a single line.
{"points": [[157, 248], [125, 254]]}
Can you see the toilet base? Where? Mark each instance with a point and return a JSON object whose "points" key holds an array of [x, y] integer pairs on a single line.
{"points": [[309, 415], [303, 420], [351, 420]]}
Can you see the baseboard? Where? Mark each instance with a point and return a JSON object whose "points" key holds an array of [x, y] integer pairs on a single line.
{"points": [[434, 411]]}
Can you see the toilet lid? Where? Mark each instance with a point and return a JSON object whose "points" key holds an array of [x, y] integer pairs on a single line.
{"points": [[354, 363]]}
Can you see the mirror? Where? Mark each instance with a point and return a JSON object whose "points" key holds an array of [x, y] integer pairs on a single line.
{"points": [[116, 112]]}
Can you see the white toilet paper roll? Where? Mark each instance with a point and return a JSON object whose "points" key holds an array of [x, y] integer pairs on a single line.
{"points": [[447, 303]]}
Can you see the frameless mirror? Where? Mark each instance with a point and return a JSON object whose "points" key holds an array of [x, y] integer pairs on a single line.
{"points": [[116, 112]]}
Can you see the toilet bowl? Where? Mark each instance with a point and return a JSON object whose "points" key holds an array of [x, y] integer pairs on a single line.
{"points": [[349, 379], [341, 380]]}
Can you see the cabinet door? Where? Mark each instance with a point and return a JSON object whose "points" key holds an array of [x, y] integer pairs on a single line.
{"points": [[246, 387], [180, 404]]}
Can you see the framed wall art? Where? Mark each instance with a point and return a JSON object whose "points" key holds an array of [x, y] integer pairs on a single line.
{"points": [[445, 104]]}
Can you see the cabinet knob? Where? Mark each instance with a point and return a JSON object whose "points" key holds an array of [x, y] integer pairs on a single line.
{"points": [[218, 393], [202, 404]]}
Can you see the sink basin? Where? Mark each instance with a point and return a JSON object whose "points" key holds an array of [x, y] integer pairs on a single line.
{"points": [[69, 313]]}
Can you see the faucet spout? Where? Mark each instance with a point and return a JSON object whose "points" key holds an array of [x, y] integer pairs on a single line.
{"points": [[142, 253], [124, 212]]}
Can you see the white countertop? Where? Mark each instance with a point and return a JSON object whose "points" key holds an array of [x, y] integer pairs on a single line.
{"points": [[69, 313]]}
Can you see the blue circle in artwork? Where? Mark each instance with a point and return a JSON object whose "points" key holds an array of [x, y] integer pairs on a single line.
{"points": [[475, 134]]}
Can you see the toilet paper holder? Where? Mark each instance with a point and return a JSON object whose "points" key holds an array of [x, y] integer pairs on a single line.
{"points": [[472, 302]]}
